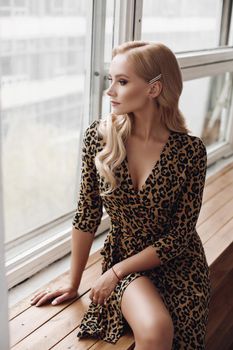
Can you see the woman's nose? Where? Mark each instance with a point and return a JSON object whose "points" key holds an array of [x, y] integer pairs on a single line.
{"points": [[110, 91]]}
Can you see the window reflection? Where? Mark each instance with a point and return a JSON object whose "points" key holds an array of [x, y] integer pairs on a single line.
{"points": [[42, 65], [182, 25], [206, 103]]}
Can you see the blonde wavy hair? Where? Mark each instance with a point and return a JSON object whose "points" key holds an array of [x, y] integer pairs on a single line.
{"points": [[148, 60]]}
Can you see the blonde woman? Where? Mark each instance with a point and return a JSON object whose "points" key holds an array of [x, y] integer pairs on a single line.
{"points": [[142, 164]]}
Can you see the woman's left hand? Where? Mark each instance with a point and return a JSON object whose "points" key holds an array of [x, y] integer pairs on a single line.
{"points": [[103, 287]]}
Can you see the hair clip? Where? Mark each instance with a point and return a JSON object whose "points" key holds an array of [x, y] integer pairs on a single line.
{"points": [[155, 79]]}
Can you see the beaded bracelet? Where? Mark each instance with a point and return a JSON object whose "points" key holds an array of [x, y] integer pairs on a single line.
{"points": [[115, 274]]}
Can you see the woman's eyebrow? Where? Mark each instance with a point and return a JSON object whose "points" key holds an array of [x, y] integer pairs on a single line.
{"points": [[120, 75]]}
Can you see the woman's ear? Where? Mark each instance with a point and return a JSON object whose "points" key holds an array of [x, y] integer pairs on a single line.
{"points": [[155, 89]]}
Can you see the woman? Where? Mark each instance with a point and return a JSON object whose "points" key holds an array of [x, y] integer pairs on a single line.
{"points": [[149, 173]]}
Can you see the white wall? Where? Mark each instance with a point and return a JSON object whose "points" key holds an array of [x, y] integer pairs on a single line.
{"points": [[4, 332]]}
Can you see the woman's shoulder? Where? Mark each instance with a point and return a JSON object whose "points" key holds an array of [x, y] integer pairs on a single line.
{"points": [[92, 137], [91, 129], [188, 141]]}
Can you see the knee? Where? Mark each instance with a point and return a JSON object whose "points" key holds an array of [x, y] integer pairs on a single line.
{"points": [[156, 334]]}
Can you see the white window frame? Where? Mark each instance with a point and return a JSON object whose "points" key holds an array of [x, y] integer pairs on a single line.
{"points": [[57, 234]]}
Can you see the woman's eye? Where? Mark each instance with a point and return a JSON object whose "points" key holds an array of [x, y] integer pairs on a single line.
{"points": [[122, 82]]}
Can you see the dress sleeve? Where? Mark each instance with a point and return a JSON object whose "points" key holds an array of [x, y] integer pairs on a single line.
{"points": [[89, 207], [186, 210]]}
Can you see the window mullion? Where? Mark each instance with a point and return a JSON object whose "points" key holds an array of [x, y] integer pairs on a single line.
{"points": [[87, 88], [88, 72], [199, 58], [211, 69], [138, 19], [225, 22], [124, 21], [97, 58], [205, 63]]}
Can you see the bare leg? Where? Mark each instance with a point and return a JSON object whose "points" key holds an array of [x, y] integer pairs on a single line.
{"points": [[145, 312]]}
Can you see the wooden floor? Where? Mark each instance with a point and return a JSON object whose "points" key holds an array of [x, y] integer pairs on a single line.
{"points": [[55, 327]]}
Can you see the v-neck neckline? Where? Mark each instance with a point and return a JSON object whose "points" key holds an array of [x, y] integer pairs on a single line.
{"points": [[138, 191]]}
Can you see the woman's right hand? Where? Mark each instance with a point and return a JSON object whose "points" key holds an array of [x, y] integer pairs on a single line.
{"points": [[60, 295]]}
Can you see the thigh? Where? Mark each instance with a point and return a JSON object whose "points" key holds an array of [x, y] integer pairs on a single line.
{"points": [[143, 307]]}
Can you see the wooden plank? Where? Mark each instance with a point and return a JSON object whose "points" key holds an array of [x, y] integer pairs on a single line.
{"points": [[47, 335], [216, 222], [63, 279], [221, 306], [226, 169], [223, 336], [56, 328], [215, 246], [221, 284], [26, 322], [217, 201], [217, 184], [72, 342], [126, 342], [221, 267]]}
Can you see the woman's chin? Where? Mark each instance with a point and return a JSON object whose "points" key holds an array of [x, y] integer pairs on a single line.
{"points": [[118, 111]]}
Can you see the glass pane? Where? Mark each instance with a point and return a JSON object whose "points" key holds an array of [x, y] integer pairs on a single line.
{"points": [[42, 92], [205, 104], [109, 23], [109, 27], [4, 3], [182, 25]]}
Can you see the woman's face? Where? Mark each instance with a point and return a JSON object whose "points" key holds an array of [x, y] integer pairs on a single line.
{"points": [[126, 88]]}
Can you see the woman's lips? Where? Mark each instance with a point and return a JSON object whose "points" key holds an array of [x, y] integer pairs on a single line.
{"points": [[114, 103]]}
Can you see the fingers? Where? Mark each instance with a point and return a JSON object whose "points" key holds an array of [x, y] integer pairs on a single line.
{"points": [[43, 296], [37, 296], [39, 293], [61, 294], [97, 299], [60, 299], [102, 301]]}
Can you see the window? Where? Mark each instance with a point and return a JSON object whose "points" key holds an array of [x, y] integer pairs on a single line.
{"points": [[198, 32], [206, 104], [42, 116], [29, 145], [6, 66], [182, 25], [108, 45]]}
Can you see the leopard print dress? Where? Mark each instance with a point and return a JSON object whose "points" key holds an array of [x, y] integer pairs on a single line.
{"points": [[163, 214]]}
